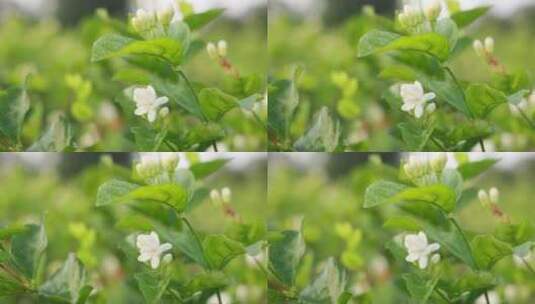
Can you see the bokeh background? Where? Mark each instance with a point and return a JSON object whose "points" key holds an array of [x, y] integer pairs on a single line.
{"points": [[51, 39], [322, 37], [327, 192], [61, 188]]}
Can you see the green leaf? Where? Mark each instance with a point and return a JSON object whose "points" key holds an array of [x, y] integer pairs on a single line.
{"points": [[9, 231], [420, 288], [57, 138], [285, 253], [67, 283], [204, 169], [9, 286], [113, 45], [474, 281], [404, 223], [518, 97], [381, 192], [215, 103], [378, 42], [448, 90], [323, 136], [28, 248], [453, 179], [152, 285], [207, 281], [148, 139], [474, 168], [283, 99], [447, 28], [247, 233], [465, 18], [14, 104], [327, 287], [441, 195], [488, 250], [414, 137], [116, 191], [179, 93], [482, 99], [113, 191], [186, 242], [196, 21], [220, 250], [515, 234]]}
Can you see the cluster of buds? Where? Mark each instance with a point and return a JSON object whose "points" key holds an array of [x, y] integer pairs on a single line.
{"points": [[425, 171], [415, 20], [218, 52], [158, 170], [151, 25], [490, 200], [485, 50], [222, 199]]}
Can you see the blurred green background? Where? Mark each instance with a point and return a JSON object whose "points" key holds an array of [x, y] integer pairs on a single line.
{"points": [[327, 193], [322, 37], [61, 188]]}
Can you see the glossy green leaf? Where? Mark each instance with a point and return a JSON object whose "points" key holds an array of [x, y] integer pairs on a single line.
{"points": [[179, 93], [206, 281], [152, 286], [378, 41], [220, 250], [147, 139], [488, 250], [414, 137], [247, 233], [515, 234], [67, 283], [8, 231], [447, 89], [204, 169], [28, 248], [404, 223], [447, 28], [482, 99], [196, 21], [113, 191], [474, 168], [215, 103], [323, 135], [327, 287], [440, 195], [465, 18], [283, 99], [381, 192], [420, 288], [114, 45], [14, 104], [285, 253], [57, 137]]}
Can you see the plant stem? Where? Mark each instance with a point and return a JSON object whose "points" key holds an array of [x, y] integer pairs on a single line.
{"points": [[440, 146], [528, 266], [190, 86], [525, 116], [482, 145], [487, 297], [198, 240]]}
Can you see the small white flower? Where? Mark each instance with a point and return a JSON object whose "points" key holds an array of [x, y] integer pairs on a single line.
{"points": [[225, 299], [479, 48], [494, 298], [226, 195], [148, 103], [414, 98], [438, 162], [433, 10], [489, 45], [494, 195], [222, 48], [212, 50], [148, 166], [169, 161], [142, 19], [150, 249], [419, 249]]}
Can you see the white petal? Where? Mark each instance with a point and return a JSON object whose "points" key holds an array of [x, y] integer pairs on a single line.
{"points": [[419, 111], [412, 257], [144, 257], [422, 237], [430, 96], [152, 116], [433, 247], [164, 247], [151, 93], [161, 101], [155, 262], [435, 258], [422, 262], [140, 111], [407, 107]]}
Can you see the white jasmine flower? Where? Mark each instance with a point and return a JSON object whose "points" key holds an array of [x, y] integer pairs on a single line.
{"points": [[225, 299], [419, 249], [212, 50], [433, 10], [494, 195], [169, 161], [148, 103], [226, 195], [150, 249], [494, 298], [222, 48], [148, 166], [489, 45], [414, 98]]}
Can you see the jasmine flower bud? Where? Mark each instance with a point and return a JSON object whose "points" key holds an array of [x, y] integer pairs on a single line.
{"points": [[222, 48], [215, 196], [169, 161], [226, 195], [166, 16], [483, 198], [479, 49], [433, 10], [439, 162], [212, 51], [430, 108], [489, 45], [163, 112], [494, 195]]}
